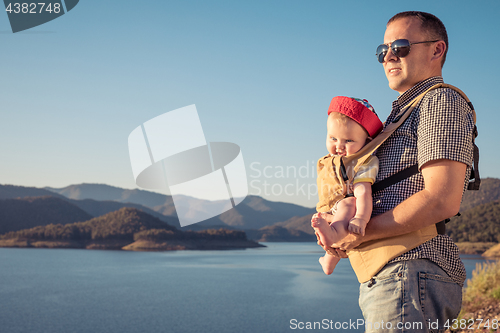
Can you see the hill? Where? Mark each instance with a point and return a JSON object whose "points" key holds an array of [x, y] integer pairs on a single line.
{"points": [[479, 224], [493, 252], [489, 191], [122, 229], [480, 305], [17, 214], [211, 239]]}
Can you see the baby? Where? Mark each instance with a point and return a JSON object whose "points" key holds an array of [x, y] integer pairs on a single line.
{"points": [[351, 124]]}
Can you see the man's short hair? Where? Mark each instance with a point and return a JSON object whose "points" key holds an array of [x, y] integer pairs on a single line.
{"points": [[433, 27]]}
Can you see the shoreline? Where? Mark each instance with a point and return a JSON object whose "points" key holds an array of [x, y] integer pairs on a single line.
{"points": [[139, 245], [466, 248]]}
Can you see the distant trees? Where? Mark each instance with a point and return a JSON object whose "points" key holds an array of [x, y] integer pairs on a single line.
{"points": [[488, 192], [211, 234], [479, 224], [155, 235], [50, 232]]}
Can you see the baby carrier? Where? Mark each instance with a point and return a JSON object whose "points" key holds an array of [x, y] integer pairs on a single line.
{"points": [[368, 258]]}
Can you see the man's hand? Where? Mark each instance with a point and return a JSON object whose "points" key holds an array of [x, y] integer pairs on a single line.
{"points": [[349, 242]]}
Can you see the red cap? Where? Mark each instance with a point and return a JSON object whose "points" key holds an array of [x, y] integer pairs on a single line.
{"points": [[358, 110]]}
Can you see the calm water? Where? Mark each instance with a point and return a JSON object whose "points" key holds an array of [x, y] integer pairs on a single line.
{"points": [[253, 290]]}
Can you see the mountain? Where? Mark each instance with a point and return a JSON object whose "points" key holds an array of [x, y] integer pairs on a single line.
{"points": [[252, 213], [255, 212], [98, 208], [302, 223], [489, 191], [102, 192], [13, 191], [22, 213], [92, 207], [127, 228]]}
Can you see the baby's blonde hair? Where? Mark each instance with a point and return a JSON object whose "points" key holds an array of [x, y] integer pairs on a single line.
{"points": [[342, 119]]}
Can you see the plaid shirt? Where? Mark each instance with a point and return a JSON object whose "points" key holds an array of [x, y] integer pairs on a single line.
{"points": [[440, 127]]}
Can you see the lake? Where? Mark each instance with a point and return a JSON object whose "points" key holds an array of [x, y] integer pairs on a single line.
{"points": [[269, 289]]}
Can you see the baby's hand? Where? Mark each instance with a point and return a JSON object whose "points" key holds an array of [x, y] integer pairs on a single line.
{"points": [[357, 226]]}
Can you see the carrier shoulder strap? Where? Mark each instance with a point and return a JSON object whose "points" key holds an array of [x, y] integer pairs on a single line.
{"points": [[475, 180], [347, 166]]}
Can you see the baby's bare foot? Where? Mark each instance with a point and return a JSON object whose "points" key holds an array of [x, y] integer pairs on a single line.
{"points": [[328, 263], [323, 229], [318, 221]]}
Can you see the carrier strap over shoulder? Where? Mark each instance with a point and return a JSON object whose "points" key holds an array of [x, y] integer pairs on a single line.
{"points": [[475, 179], [353, 162]]}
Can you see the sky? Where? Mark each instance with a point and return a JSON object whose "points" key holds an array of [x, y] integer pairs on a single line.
{"points": [[261, 74]]}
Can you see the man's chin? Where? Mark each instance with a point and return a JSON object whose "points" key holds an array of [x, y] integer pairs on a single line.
{"points": [[397, 86], [393, 84]]}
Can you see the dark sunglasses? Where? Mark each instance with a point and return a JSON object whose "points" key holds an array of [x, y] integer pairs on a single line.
{"points": [[400, 48]]}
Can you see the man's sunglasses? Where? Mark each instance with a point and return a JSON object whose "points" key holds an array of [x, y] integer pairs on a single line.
{"points": [[400, 48]]}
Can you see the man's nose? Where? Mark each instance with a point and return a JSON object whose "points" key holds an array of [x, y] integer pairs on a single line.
{"points": [[390, 56]]}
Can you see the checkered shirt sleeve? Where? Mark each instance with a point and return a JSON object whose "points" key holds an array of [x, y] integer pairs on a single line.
{"points": [[444, 131]]}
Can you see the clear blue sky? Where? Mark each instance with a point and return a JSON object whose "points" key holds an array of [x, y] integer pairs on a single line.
{"points": [[261, 73]]}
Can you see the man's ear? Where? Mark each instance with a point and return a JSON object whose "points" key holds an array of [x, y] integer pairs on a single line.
{"points": [[439, 49]]}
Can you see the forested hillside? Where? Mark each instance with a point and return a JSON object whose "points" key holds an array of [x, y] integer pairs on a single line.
{"points": [[489, 191], [479, 224]]}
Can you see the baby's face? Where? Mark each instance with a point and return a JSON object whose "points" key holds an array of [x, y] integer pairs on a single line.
{"points": [[344, 139]]}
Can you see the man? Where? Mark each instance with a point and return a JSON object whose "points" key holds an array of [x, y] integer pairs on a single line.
{"points": [[420, 289]]}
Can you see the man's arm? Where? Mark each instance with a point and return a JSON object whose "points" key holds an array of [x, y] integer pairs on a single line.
{"points": [[439, 200]]}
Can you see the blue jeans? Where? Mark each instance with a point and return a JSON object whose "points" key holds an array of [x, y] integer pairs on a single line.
{"points": [[410, 296]]}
